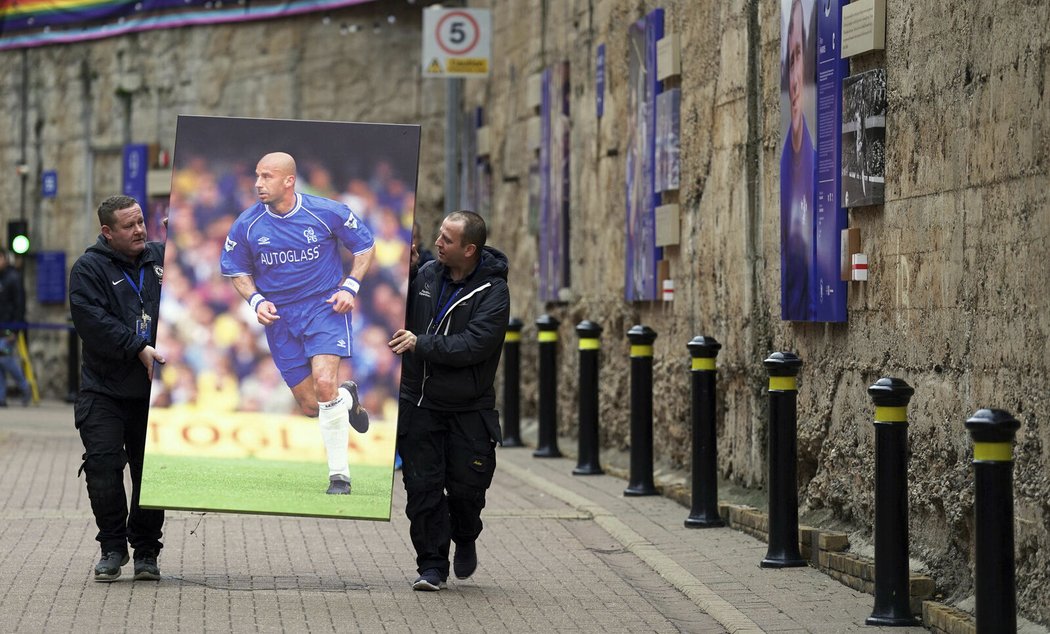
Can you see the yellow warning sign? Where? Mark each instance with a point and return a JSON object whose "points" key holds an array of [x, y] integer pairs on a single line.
{"points": [[479, 65], [435, 66]]}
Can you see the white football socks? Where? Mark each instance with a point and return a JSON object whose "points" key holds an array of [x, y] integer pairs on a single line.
{"points": [[335, 433]]}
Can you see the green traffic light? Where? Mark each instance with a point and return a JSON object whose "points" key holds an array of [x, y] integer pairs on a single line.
{"points": [[20, 244]]}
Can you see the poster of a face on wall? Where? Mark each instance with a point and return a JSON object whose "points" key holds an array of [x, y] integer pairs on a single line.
{"points": [[642, 88], [307, 224], [811, 218]]}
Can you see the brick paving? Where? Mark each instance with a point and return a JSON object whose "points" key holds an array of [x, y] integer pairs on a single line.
{"points": [[559, 553]]}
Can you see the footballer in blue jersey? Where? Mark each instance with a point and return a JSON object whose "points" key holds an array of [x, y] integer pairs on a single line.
{"points": [[283, 257]]}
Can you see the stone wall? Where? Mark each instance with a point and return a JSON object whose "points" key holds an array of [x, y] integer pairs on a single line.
{"points": [[954, 305]]}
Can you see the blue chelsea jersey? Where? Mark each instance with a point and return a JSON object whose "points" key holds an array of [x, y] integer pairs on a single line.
{"points": [[294, 256]]}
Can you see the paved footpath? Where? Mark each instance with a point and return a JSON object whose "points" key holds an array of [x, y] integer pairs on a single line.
{"points": [[559, 553]]}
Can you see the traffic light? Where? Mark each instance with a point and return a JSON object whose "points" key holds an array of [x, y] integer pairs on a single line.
{"points": [[18, 236]]}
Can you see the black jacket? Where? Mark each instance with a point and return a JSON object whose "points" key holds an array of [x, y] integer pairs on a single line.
{"points": [[105, 309], [12, 296], [454, 369]]}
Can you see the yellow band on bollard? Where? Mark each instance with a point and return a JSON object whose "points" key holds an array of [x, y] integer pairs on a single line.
{"points": [[512, 336], [590, 344], [783, 384], [703, 363], [886, 414], [547, 336], [641, 351], [993, 451]]}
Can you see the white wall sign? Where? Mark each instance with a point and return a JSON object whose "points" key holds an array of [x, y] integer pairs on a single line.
{"points": [[456, 42]]}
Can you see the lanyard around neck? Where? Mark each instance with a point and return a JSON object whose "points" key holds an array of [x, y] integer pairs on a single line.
{"points": [[448, 303], [137, 289]]}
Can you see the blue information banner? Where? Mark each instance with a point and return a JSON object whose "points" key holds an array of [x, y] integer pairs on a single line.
{"points": [[829, 218], [51, 277], [49, 184], [135, 168], [811, 219]]}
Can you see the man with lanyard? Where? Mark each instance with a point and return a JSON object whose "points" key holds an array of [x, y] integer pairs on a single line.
{"points": [[114, 297], [447, 423]]}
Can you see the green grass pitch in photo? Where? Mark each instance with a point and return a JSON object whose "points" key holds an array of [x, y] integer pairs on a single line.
{"points": [[271, 487]]}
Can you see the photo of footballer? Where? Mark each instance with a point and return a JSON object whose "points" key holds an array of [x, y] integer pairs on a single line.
{"points": [[286, 267], [295, 263]]}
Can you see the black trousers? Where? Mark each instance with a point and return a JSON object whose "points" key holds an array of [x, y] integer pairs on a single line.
{"points": [[449, 459], [114, 434]]}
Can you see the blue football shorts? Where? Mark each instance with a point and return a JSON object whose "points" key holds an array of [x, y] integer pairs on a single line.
{"points": [[307, 328]]}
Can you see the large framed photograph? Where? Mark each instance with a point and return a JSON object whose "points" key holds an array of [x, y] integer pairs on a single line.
{"points": [[243, 416], [864, 138]]}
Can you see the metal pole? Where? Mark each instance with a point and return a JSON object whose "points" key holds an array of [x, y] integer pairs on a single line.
{"points": [[704, 512], [512, 384], [547, 444], [641, 477], [783, 551], [590, 347], [993, 432], [892, 587], [453, 92]]}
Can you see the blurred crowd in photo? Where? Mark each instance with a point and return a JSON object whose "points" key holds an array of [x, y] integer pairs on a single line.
{"points": [[217, 356]]}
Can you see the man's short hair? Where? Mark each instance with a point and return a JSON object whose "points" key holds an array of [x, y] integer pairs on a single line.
{"points": [[791, 23], [108, 208], [474, 231]]}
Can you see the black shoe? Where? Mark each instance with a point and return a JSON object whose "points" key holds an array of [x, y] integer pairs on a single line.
{"points": [[429, 581], [465, 561], [146, 567], [338, 485], [108, 568], [358, 415]]}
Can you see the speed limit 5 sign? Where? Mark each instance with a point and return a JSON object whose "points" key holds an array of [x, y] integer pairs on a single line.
{"points": [[456, 42]]}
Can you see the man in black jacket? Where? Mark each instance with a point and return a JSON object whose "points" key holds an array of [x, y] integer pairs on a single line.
{"points": [[12, 318], [448, 427], [114, 295]]}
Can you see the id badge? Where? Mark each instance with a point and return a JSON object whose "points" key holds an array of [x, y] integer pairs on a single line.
{"points": [[142, 326]]}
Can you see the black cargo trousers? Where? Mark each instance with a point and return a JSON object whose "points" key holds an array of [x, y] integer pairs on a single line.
{"points": [[113, 431], [453, 452]]}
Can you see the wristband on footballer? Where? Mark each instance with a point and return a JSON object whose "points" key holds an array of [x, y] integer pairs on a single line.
{"points": [[351, 285], [255, 300]]}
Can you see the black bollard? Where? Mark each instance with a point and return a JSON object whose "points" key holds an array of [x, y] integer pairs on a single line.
{"points": [[783, 551], [641, 479], [590, 346], [547, 445], [512, 384], [704, 513], [892, 584], [73, 364], [993, 432]]}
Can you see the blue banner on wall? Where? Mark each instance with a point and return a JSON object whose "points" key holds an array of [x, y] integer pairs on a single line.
{"points": [[811, 219], [554, 182], [49, 184], [51, 277], [642, 198], [599, 81], [829, 302], [136, 165]]}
